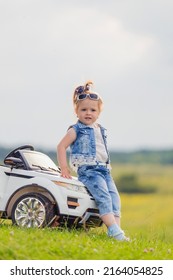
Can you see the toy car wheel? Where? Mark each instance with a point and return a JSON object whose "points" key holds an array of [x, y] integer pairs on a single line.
{"points": [[32, 210]]}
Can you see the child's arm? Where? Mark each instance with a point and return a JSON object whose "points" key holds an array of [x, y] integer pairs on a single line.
{"points": [[61, 152]]}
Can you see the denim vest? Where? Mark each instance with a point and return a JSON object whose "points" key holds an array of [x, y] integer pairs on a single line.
{"points": [[83, 149]]}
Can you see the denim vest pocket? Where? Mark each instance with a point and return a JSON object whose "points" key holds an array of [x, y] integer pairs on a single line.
{"points": [[83, 142]]}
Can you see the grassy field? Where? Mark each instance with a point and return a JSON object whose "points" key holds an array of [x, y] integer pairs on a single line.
{"points": [[146, 218], [160, 176]]}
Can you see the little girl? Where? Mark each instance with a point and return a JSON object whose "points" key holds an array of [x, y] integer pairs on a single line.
{"points": [[89, 156]]}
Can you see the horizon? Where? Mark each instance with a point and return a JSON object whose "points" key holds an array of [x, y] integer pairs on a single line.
{"points": [[142, 149]]}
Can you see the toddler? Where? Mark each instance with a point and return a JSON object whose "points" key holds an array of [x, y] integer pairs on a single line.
{"points": [[89, 157]]}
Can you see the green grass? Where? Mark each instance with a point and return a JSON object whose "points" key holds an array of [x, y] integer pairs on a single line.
{"points": [[147, 219], [160, 176], [53, 245], [149, 226]]}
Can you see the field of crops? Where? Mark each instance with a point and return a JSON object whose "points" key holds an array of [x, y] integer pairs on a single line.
{"points": [[146, 218]]}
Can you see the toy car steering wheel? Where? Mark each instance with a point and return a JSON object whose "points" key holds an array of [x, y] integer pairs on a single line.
{"points": [[24, 147]]}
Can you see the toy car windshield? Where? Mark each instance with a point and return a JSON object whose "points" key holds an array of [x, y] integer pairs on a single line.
{"points": [[40, 161]]}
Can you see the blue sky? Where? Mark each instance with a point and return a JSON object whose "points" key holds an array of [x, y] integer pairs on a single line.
{"points": [[48, 47]]}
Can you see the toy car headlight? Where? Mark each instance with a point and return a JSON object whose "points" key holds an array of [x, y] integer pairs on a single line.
{"points": [[71, 186]]}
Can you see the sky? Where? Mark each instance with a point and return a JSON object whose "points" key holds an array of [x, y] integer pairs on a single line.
{"points": [[48, 47]]}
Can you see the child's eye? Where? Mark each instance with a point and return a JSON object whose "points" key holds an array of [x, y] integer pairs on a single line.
{"points": [[83, 110], [93, 110]]}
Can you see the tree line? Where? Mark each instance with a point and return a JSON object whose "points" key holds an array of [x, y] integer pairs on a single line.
{"points": [[164, 156]]}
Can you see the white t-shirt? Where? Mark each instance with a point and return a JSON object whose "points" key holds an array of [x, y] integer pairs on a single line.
{"points": [[101, 153]]}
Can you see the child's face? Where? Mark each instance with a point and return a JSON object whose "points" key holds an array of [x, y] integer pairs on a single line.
{"points": [[88, 111]]}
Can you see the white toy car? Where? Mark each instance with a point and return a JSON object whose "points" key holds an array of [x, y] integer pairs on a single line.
{"points": [[33, 194]]}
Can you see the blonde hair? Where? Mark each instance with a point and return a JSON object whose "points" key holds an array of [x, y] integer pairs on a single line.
{"points": [[86, 88]]}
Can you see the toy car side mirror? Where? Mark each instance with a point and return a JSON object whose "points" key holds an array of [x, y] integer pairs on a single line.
{"points": [[12, 161]]}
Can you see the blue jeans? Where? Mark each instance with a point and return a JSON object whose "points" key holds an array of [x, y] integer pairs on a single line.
{"points": [[100, 184]]}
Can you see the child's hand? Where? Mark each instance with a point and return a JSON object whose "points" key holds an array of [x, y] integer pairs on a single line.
{"points": [[65, 173]]}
